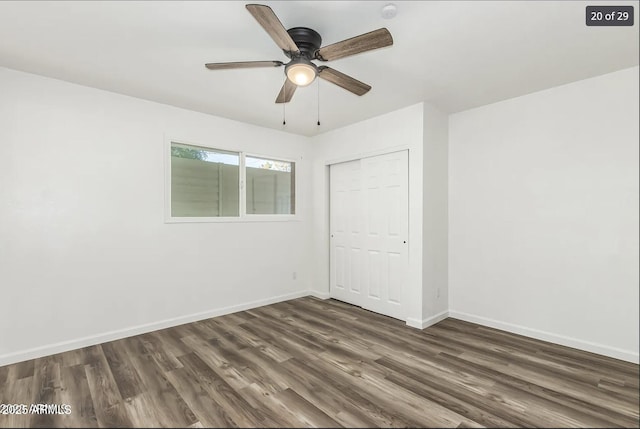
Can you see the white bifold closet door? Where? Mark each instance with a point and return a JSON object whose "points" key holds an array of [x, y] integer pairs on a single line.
{"points": [[369, 220]]}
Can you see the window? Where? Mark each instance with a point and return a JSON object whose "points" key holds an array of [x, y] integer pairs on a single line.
{"points": [[207, 184], [204, 182], [270, 186]]}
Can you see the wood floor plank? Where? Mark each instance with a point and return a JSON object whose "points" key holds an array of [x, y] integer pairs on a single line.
{"points": [[268, 348], [318, 392], [375, 329], [206, 330], [470, 390], [163, 358], [239, 359], [304, 339], [207, 410], [22, 370], [280, 340], [107, 402], [73, 358], [451, 401], [580, 391], [404, 403], [240, 317], [91, 355], [310, 362], [289, 403], [47, 388], [262, 399], [364, 344], [594, 361], [570, 402], [240, 411], [249, 340], [210, 354], [491, 347], [330, 340], [20, 391], [373, 380], [171, 342], [619, 388], [564, 376], [4, 374], [167, 402], [125, 376], [76, 393], [348, 405], [143, 412]]}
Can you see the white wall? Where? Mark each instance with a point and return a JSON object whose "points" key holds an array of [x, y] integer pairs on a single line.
{"points": [[543, 214], [394, 131], [435, 220], [85, 255]]}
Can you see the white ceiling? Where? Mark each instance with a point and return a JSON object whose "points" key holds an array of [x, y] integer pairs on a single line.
{"points": [[455, 54]]}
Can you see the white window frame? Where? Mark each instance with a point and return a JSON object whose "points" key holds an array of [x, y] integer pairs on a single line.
{"points": [[243, 216]]}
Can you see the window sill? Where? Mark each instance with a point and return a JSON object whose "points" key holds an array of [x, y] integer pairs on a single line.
{"points": [[242, 219]]}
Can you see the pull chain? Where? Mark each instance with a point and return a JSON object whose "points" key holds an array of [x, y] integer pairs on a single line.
{"points": [[318, 102], [284, 114]]}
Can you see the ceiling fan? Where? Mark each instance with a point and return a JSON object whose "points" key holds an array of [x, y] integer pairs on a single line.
{"points": [[302, 45]]}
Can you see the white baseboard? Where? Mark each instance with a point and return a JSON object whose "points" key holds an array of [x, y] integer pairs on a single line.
{"points": [[425, 323], [626, 355], [64, 346], [319, 295], [91, 340], [414, 323]]}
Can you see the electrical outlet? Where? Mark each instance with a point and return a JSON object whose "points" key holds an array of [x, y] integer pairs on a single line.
{"points": [[294, 275]]}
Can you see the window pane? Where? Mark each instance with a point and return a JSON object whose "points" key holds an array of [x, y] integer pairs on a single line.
{"points": [[270, 186], [204, 182]]}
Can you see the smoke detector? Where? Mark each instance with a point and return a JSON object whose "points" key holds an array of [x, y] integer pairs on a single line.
{"points": [[389, 11]]}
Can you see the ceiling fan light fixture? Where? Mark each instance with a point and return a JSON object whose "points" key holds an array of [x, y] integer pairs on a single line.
{"points": [[303, 45], [301, 72]]}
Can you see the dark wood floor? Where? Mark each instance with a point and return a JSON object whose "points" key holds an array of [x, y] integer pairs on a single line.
{"points": [[309, 362]]}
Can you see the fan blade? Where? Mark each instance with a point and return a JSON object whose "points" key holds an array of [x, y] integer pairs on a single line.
{"points": [[286, 93], [365, 42], [272, 25], [343, 80], [243, 65]]}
